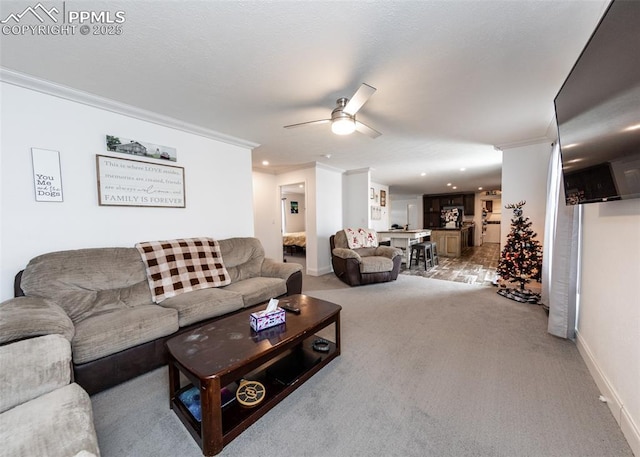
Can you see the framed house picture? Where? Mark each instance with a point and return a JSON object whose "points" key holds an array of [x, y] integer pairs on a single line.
{"points": [[383, 198]]}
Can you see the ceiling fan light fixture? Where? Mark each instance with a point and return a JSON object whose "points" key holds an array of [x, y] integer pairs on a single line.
{"points": [[343, 126]]}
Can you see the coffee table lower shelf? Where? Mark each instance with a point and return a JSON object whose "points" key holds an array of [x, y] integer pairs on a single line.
{"points": [[235, 418]]}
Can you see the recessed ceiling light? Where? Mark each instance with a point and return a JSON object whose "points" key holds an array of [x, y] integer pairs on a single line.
{"points": [[301, 186], [423, 174], [479, 188], [454, 187], [265, 162], [462, 169], [448, 184], [328, 156]]}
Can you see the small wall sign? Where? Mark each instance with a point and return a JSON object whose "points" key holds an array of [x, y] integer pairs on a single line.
{"points": [[46, 175]]}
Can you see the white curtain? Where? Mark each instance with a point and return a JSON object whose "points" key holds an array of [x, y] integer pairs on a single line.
{"points": [[560, 262]]}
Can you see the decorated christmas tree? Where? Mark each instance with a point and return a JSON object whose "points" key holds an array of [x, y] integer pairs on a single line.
{"points": [[521, 258]]}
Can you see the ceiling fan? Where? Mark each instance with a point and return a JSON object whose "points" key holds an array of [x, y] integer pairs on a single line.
{"points": [[343, 117]]}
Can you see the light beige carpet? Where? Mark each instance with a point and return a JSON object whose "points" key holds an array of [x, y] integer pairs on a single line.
{"points": [[428, 368]]}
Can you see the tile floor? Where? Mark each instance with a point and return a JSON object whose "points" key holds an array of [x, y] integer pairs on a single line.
{"points": [[477, 265]]}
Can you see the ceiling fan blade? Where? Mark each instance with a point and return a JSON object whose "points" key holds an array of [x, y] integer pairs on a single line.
{"points": [[321, 121], [359, 98], [363, 128]]}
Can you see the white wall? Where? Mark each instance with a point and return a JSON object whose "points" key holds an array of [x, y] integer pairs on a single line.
{"points": [[329, 215], [524, 177], [609, 312], [608, 334], [266, 210], [295, 222], [34, 119], [398, 211], [323, 203], [356, 207], [382, 223]]}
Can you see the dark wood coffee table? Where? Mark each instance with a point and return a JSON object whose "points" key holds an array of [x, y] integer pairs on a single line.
{"points": [[225, 351]]}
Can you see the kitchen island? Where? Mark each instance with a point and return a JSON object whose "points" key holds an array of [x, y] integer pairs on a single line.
{"points": [[451, 242], [403, 239]]}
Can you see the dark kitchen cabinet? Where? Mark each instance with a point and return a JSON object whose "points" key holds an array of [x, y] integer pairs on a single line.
{"points": [[433, 204], [469, 202], [431, 208]]}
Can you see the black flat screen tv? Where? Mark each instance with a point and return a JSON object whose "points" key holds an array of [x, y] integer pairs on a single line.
{"points": [[598, 112]]}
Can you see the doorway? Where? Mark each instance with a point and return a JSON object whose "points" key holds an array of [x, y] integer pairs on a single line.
{"points": [[293, 221], [491, 221]]}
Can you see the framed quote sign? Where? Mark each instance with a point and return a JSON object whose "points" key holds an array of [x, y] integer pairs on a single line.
{"points": [[127, 182]]}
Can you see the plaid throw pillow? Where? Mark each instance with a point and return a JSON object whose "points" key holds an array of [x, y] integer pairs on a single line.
{"points": [[178, 266]]}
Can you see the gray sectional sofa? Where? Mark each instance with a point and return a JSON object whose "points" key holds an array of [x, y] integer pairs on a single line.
{"points": [[100, 300], [42, 411]]}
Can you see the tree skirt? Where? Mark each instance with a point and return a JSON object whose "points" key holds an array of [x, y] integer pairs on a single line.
{"points": [[520, 295]]}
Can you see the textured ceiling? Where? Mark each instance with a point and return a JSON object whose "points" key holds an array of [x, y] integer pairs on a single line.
{"points": [[453, 78]]}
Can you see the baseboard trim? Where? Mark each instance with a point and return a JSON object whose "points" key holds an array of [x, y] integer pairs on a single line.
{"points": [[629, 429], [320, 271]]}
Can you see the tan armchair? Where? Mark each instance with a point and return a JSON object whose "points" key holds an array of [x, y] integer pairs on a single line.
{"points": [[363, 265]]}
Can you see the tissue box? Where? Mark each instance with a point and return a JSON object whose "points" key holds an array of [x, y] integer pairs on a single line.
{"points": [[271, 332], [262, 319]]}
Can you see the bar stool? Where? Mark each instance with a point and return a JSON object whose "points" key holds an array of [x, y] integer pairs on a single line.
{"points": [[434, 253], [424, 250]]}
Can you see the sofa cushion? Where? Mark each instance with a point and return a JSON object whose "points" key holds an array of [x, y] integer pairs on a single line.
{"points": [[178, 266], [80, 280], [33, 367], [361, 238], [375, 264], [57, 424], [115, 330], [258, 290], [24, 317], [203, 304], [243, 257], [366, 252]]}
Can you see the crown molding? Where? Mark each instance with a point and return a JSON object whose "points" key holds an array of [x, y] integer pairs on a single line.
{"points": [[356, 171], [298, 167], [67, 93], [528, 142], [324, 166]]}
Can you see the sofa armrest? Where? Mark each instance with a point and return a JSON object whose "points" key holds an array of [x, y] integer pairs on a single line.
{"points": [[387, 251], [26, 317], [33, 367], [290, 272], [282, 270], [345, 253]]}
